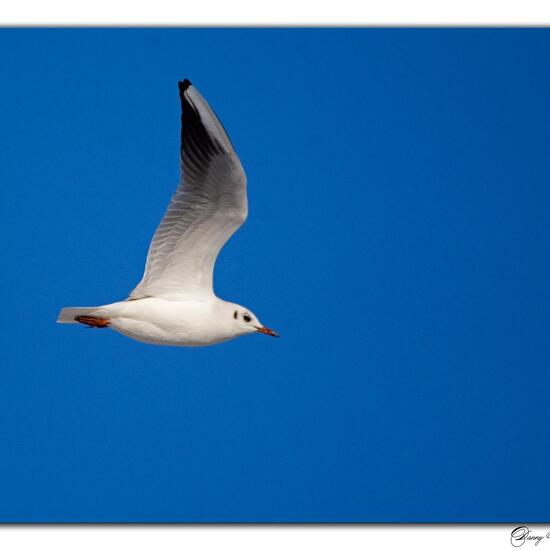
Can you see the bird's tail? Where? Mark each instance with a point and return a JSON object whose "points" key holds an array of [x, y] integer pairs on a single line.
{"points": [[69, 314]]}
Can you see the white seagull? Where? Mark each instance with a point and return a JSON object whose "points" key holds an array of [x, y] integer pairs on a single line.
{"points": [[174, 304]]}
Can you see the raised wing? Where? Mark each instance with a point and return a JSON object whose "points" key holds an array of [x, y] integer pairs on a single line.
{"points": [[209, 205]]}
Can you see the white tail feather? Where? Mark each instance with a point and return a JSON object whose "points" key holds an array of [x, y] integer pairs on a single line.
{"points": [[67, 314]]}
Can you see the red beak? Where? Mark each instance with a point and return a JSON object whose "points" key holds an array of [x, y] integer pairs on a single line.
{"points": [[265, 330]]}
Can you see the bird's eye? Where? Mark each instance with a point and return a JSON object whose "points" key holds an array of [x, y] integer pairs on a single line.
{"points": [[247, 318], [235, 314]]}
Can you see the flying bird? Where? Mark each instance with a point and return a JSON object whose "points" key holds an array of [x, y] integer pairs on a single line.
{"points": [[174, 304]]}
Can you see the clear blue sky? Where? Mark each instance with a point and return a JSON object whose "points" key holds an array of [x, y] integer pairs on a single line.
{"points": [[398, 238]]}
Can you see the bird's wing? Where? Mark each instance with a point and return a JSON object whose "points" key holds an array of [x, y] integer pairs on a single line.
{"points": [[209, 205]]}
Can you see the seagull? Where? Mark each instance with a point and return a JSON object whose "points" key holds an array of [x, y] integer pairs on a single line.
{"points": [[174, 304]]}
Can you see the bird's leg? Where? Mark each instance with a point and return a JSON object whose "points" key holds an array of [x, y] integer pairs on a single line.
{"points": [[95, 322]]}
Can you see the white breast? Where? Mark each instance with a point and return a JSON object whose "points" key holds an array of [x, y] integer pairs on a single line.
{"points": [[172, 323]]}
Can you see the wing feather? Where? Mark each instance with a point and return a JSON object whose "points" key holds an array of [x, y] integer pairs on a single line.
{"points": [[209, 205]]}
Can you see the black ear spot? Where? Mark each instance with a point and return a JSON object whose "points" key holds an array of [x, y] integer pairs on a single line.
{"points": [[235, 315]]}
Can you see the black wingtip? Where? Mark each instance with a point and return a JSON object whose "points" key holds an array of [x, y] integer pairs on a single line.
{"points": [[183, 85]]}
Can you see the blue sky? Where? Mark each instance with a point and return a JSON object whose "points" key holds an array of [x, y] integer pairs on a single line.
{"points": [[398, 239]]}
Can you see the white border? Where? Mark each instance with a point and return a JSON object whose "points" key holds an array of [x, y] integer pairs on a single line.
{"points": [[265, 537], [282, 12]]}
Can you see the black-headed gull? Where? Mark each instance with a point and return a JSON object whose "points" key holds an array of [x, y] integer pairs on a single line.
{"points": [[174, 304]]}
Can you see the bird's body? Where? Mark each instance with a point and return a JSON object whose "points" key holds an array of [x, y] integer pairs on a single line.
{"points": [[174, 304], [170, 322]]}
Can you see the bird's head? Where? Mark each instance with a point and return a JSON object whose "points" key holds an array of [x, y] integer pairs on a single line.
{"points": [[246, 322]]}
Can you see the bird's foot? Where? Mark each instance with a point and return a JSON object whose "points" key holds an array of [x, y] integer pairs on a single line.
{"points": [[92, 322]]}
